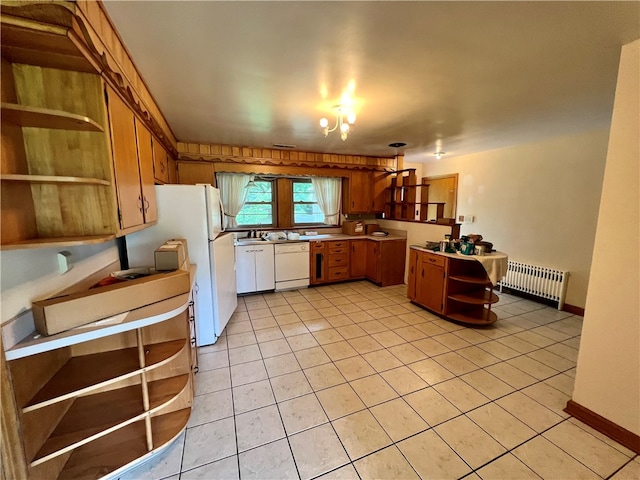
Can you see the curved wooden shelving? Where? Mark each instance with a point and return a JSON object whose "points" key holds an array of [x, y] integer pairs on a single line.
{"points": [[470, 279], [482, 297], [122, 448], [15, 177], [486, 317], [83, 374], [90, 417], [38, 117]]}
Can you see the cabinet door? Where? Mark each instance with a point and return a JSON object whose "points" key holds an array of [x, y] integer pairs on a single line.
{"points": [[173, 169], [147, 183], [413, 267], [373, 261], [379, 193], [245, 269], [356, 193], [190, 173], [125, 162], [430, 286], [318, 266], [358, 259], [160, 162], [392, 262], [265, 267]]}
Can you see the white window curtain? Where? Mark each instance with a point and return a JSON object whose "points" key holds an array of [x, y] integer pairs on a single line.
{"points": [[329, 194], [233, 193]]}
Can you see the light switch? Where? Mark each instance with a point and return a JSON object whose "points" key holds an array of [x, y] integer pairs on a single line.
{"points": [[64, 261]]}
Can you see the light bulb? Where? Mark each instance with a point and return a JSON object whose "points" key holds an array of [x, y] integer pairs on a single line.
{"points": [[324, 123], [351, 118], [343, 135], [344, 127]]}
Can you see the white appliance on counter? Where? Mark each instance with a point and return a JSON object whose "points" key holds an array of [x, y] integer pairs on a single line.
{"points": [[292, 265], [194, 212]]}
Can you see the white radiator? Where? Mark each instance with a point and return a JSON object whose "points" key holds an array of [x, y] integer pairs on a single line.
{"points": [[539, 281]]}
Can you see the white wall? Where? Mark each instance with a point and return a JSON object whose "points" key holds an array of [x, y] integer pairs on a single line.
{"points": [[608, 375], [32, 274], [536, 202]]}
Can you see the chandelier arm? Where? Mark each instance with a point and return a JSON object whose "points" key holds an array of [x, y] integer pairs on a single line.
{"points": [[336, 126]]}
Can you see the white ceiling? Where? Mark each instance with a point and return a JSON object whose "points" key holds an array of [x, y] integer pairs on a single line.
{"points": [[458, 76]]}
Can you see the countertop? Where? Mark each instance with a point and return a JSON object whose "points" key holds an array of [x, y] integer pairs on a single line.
{"points": [[320, 238], [495, 263]]}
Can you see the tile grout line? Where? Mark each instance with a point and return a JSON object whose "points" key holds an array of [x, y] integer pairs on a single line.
{"points": [[520, 354]]}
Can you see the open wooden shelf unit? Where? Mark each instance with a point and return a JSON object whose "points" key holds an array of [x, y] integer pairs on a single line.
{"points": [[94, 407], [405, 193]]}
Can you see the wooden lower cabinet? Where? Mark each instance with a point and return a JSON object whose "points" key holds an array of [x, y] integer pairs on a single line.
{"points": [[386, 261], [318, 268], [430, 282], [337, 260], [413, 268], [382, 262], [457, 289], [358, 258], [95, 406]]}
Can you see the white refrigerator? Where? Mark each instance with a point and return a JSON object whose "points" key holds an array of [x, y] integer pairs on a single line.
{"points": [[194, 212]]}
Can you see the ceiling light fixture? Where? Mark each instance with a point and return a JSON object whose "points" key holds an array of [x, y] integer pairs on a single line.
{"points": [[439, 154], [344, 119]]}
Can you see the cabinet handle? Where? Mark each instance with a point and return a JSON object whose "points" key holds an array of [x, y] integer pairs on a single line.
{"points": [[146, 204], [422, 273], [162, 167], [193, 341], [191, 303], [192, 318], [140, 203], [196, 369], [432, 260]]}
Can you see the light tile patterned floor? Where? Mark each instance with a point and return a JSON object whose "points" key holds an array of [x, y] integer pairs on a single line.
{"points": [[353, 381]]}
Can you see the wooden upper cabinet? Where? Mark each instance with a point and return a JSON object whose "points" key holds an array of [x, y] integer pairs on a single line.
{"points": [[379, 193], [173, 169], [356, 193], [147, 183], [160, 162], [132, 164], [190, 173], [125, 162]]}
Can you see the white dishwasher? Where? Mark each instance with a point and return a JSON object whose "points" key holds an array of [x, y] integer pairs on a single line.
{"points": [[292, 265]]}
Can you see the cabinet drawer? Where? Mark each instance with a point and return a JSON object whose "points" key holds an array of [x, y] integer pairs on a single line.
{"points": [[335, 260], [338, 250], [339, 244], [437, 260], [317, 245], [338, 273]]}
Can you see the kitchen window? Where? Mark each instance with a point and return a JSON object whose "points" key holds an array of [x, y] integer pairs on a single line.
{"points": [[260, 206], [305, 204]]}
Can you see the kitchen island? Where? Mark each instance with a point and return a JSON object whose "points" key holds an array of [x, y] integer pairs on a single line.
{"points": [[456, 287]]}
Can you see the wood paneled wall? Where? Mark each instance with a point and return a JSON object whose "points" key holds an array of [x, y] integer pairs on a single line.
{"points": [[233, 154], [107, 41]]}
